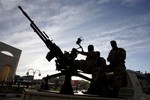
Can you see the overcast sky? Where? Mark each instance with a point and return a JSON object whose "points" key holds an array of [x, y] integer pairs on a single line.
{"points": [[97, 21]]}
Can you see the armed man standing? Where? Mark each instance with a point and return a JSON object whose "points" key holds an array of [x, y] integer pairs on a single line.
{"points": [[94, 65], [117, 58], [87, 65]]}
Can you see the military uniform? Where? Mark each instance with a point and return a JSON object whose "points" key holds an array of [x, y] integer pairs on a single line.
{"points": [[117, 58], [88, 65], [95, 65], [100, 83]]}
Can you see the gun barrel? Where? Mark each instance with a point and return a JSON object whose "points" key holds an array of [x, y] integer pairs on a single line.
{"points": [[56, 51], [25, 14], [43, 36], [38, 31]]}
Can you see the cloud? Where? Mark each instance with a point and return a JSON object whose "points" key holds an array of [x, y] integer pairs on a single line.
{"points": [[97, 21], [7, 5], [131, 2]]}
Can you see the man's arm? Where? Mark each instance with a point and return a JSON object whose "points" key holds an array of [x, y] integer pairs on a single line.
{"points": [[83, 53]]}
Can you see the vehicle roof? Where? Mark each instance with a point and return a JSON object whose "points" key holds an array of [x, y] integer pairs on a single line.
{"points": [[136, 72]]}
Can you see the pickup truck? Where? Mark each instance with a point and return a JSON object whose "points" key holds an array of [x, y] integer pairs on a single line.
{"points": [[137, 88]]}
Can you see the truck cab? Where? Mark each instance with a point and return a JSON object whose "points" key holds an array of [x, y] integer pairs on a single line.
{"points": [[137, 88]]}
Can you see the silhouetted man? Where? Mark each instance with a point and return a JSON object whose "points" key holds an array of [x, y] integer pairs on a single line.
{"points": [[95, 65], [87, 65], [117, 58], [99, 86]]}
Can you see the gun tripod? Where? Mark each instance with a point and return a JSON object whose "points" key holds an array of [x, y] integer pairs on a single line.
{"points": [[67, 87]]}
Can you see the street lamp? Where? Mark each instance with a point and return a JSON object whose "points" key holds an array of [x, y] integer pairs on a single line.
{"points": [[33, 72], [38, 71], [28, 72]]}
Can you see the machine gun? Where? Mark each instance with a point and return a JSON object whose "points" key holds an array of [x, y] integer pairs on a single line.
{"points": [[64, 61], [55, 51]]}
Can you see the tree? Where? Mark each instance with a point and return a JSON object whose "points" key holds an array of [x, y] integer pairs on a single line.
{"points": [[83, 85]]}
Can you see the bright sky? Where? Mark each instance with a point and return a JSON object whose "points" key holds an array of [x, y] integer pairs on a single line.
{"points": [[97, 21]]}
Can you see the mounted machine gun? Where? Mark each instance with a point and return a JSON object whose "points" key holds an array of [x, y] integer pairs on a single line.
{"points": [[64, 61]]}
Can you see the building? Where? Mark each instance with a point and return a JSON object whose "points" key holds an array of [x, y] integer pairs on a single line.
{"points": [[9, 58]]}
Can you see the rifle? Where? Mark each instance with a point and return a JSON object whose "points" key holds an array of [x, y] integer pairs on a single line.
{"points": [[55, 51]]}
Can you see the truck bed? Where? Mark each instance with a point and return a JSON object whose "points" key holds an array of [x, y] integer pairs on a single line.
{"points": [[45, 95]]}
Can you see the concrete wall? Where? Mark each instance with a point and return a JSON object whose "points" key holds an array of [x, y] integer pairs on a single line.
{"points": [[9, 60]]}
